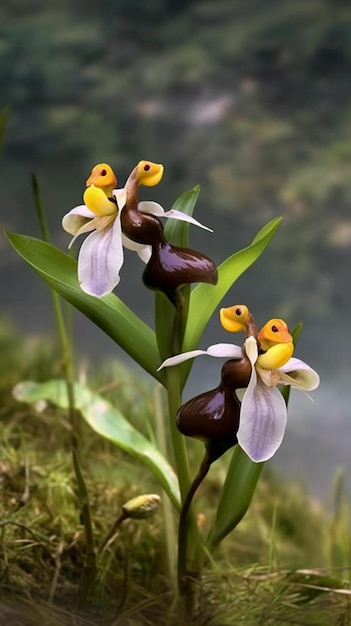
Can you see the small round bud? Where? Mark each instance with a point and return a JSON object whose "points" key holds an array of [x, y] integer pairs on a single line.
{"points": [[142, 507]]}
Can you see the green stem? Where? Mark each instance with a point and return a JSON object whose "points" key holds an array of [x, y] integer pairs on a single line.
{"points": [[112, 531], [168, 517], [67, 365], [174, 391], [191, 558], [183, 520], [178, 441]]}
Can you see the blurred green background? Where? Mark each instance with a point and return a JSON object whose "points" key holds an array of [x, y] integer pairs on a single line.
{"points": [[251, 100]]}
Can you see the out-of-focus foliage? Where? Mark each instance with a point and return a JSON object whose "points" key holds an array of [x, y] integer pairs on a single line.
{"points": [[271, 82], [251, 100]]}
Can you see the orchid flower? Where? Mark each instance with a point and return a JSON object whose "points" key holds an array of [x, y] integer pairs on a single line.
{"points": [[101, 255], [263, 413]]}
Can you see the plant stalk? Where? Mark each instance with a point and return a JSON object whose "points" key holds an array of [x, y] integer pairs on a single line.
{"points": [[168, 517], [183, 521], [189, 530], [67, 366]]}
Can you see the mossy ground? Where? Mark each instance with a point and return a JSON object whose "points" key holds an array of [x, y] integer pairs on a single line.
{"points": [[288, 562]]}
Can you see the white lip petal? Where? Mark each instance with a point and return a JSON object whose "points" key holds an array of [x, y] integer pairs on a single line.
{"points": [[263, 420], [299, 375], [73, 221], [100, 259], [179, 215]]}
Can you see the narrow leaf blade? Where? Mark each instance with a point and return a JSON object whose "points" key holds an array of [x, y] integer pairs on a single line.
{"points": [[59, 270], [238, 489], [4, 113]]}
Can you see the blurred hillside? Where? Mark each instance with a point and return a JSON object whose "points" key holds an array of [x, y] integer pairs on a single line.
{"points": [[250, 100]]}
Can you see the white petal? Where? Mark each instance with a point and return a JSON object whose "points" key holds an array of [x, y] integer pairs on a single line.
{"points": [[156, 209], [228, 350], [263, 419], [217, 350], [240, 393], [148, 206], [180, 358], [76, 218], [82, 210], [143, 252], [100, 259], [121, 197], [86, 228], [251, 349], [300, 375], [179, 215]]}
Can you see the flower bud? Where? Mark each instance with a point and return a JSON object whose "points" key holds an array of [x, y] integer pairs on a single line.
{"points": [[141, 507]]}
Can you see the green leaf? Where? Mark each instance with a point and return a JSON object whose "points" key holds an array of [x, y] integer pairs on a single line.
{"points": [[238, 489], [177, 233], [206, 298], [4, 113], [59, 270], [165, 316], [108, 422]]}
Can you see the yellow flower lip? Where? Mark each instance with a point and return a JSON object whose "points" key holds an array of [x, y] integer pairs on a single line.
{"points": [[276, 356], [276, 341], [97, 201], [234, 318], [149, 173], [103, 176]]}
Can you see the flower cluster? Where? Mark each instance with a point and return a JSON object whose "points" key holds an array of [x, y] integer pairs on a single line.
{"points": [[246, 407], [117, 218]]}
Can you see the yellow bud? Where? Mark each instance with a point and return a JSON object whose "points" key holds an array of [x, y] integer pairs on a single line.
{"points": [[97, 201], [142, 507], [276, 356]]}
